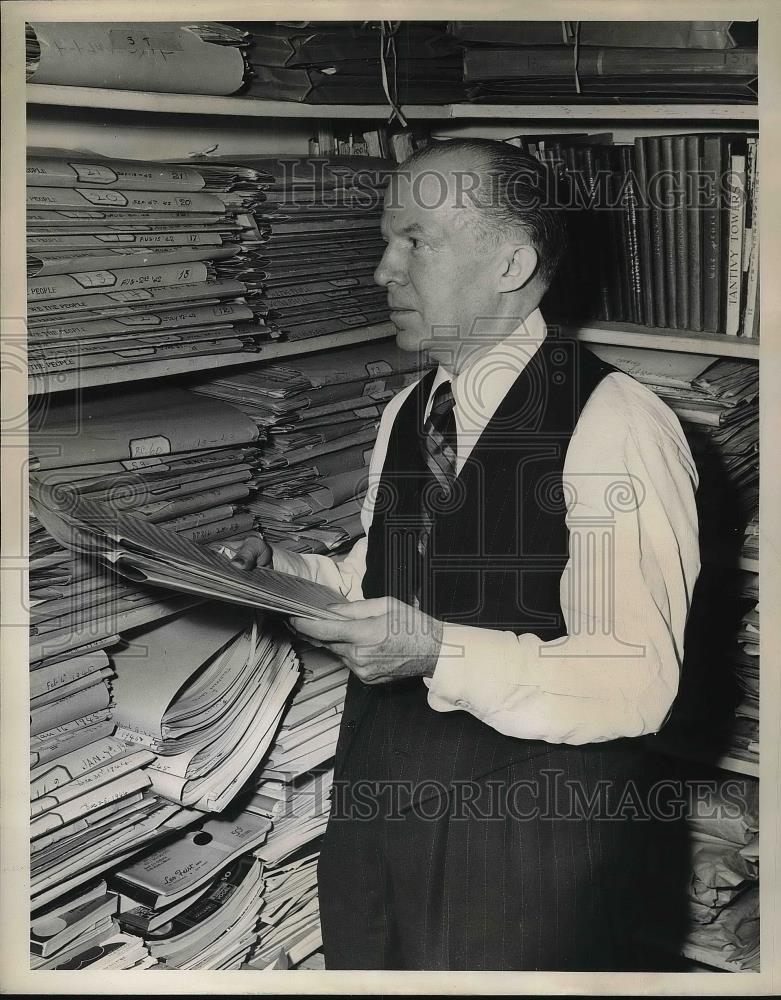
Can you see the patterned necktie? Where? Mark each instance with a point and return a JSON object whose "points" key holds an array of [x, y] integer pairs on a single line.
{"points": [[439, 452]]}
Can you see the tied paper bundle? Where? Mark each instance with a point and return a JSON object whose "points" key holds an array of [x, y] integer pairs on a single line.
{"points": [[343, 63], [321, 417], [319, 222], [205, 693], [195, 902], [82, 933], [156, 56], [132, 262], [169, 457], [149, 554], [606, 60]]}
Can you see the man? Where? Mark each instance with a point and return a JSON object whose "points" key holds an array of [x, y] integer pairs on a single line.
{"points": [[518, 604]]}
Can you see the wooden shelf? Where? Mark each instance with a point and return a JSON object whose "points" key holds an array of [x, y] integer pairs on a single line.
{"points": [[117, 374], [195, 104], [685, 341]]}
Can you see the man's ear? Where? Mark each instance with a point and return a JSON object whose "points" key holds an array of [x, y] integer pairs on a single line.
{"points": [[520, 266]]}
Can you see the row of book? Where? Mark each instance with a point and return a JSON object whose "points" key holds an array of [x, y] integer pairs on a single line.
{"points": [[404, 62], [664, 232], [320, 417]]}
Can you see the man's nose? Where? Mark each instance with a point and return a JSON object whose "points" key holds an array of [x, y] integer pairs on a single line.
{"points": [[390, 269]]}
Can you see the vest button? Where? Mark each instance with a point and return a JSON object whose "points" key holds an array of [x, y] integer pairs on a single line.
{"points": [[349, 726]]}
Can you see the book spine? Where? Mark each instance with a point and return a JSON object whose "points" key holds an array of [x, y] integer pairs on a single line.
{"points": [[667, 191], [693, 218], [653, 166], [734, 258], [644, 234], [630, 198], [681, 231], [597, 228], [711, 165]]}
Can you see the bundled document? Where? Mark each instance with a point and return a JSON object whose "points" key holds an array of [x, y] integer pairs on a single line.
{"points": [[157, 56], [205, 692]]}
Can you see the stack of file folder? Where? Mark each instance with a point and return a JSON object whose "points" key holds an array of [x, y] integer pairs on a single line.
{"points": [[204, 693], [82, 932], [293, 791], [195, 901], [342, 62], [166, 455], [716, 401], [320, 225], [320, 416], [156, 56], [745, 734], [131, 262], [608, 61]]}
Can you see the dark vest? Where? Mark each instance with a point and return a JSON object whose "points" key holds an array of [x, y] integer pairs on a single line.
{"points": [[495, 559]]}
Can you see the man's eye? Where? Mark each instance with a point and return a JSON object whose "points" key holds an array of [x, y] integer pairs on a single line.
{"points": [[416, 243]]}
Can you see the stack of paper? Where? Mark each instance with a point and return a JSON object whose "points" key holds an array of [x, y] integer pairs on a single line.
{"points": [[205, 693], [91, 807], [82, 933], [718, 880], [195, 902], [157, 56], [320, 224], [327, 63], [131, 262], [289, 918], [166, 455], [716, 401], [724, 887], [745, 735], [321, 417], [294, 791]]}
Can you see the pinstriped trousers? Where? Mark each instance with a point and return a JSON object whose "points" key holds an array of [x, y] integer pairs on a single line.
{"points": [[438, 888]]}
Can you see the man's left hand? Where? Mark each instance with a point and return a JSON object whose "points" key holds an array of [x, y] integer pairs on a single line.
{"points": [[380, 640]]}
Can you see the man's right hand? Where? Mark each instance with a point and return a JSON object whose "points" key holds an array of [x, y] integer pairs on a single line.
{"points": [[253, 552]]}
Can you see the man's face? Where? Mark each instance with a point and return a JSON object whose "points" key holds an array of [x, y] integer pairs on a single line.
{"points": [[439, 275]]}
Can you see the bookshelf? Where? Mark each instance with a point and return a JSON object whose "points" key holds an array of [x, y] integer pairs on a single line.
{"points": [[189, 104], [92, 377], [465, 117]]}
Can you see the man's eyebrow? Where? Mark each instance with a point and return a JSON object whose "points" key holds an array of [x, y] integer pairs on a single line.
{"points": [[411, 229]]}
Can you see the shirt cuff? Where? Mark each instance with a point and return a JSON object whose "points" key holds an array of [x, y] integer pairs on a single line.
{"points": [[477, 669], [289, 562]]}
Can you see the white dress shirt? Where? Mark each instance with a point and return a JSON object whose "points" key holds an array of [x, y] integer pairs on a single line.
{"points": [[629, 482]]}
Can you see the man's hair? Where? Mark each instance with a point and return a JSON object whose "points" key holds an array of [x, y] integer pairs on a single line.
{"points": [[513, 190]]}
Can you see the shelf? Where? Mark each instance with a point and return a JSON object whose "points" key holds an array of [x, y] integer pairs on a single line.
{"points": [[197, 104], [617, 112], [117, 374], [248, 107], [685, 341]]}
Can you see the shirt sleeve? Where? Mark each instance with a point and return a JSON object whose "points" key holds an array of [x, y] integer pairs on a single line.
{"points": [[345, 573], [625, 593]]}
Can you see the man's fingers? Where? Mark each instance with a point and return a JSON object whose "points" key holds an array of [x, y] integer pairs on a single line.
{"points": [[373, 608], [329, 631]]}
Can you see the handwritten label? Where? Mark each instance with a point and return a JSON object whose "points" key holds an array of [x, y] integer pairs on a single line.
{"points": [[154, 445]]}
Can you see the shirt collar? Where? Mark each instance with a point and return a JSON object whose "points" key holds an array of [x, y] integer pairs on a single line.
{"points": [[480, 386]]}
